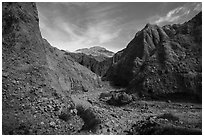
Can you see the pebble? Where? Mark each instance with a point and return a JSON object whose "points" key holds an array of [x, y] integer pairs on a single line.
{"points": [[52, 124], [181, 122], [168, 101], [5, 75], [126, 109], [13, 81], [74, 111]]}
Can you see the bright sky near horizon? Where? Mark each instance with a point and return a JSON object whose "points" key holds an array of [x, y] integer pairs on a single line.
{"points": [[74, 25]]}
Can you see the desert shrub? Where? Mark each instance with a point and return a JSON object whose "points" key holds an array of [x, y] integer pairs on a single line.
{"points": [[91, 121], [145, 127], [169, 116], [148, 127], [65, 116], [105, 96], [119, 99]]}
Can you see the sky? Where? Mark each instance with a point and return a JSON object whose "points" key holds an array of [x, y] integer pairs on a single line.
{"points": [[75, 25]]}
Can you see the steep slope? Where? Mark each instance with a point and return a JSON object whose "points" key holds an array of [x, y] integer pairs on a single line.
{"points": [[162, 61], [36, 79], [98, 66], [97, 59], [67, 73]]}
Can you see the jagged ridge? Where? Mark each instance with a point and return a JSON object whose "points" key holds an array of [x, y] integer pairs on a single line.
{"points": [[161, 60]]}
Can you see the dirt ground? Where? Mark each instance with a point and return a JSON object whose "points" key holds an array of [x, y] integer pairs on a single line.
{"points": [[119, 119]]}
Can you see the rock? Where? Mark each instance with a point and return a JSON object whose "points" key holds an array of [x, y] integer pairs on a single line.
{"points": [[127, 109], [5, 75], [168, 101], [14, 81], [52, 124], [114, 115], [85, 89], [74, 111], [119, 99], [105, 96], [90, 101]]}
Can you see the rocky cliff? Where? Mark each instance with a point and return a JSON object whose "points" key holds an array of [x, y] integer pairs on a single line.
{"points": [[36, 78], [162, 60], [96, 64]]}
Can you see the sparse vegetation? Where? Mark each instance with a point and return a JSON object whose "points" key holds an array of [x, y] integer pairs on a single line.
{"points": [[89, 117], [65, 116], [50, 91], [149, 127], [120, 98], [169, 117]]}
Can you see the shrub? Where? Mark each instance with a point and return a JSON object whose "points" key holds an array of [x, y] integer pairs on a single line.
{"points": [[119, 99], [65, 116], [168, 116], [90, 119]]}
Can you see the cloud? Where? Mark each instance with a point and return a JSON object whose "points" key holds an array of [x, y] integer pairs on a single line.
{"points": [[171, 16], [69, 35], [178, 14], [198, 7], [75, 25]]}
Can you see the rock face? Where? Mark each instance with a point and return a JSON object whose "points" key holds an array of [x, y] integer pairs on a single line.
{"points": [[37, 79], [162, 60], [96, 64], [96, 51], [66, 73], [97, 59]]}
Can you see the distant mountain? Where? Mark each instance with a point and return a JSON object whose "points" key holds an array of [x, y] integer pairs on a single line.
{"points": [[96, 51], [50, 91], [162, 61]]}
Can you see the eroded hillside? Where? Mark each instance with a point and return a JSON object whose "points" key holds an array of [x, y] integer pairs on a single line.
{"points": [[161, 61], [37, 78], [49, 91]]}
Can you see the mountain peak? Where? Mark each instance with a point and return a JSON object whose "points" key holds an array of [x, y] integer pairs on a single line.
{"points": [[148, 25], [157, 49], [96, 51]]}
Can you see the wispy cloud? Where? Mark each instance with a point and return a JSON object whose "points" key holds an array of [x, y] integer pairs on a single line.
{"points": [[198, 7], [175, 14], [65, 32], [171, 16], [71, 25]]}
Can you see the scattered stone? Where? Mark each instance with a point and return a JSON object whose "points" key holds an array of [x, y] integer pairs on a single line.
{"points": [[127, 109], [168, 101], [105, 96], [114, 115], [65, 116], [52, 124], [5, 75], [90, 101]]}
